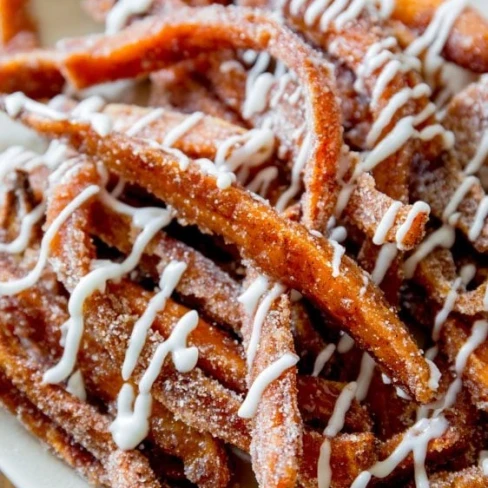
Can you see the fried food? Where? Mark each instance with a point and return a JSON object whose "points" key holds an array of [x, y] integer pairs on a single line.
{"points": [[270, 246], [299, 245]]}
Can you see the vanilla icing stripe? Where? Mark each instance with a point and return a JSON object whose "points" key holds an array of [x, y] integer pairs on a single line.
{"points": [[250, 405], [13, 287], [152, 220]]}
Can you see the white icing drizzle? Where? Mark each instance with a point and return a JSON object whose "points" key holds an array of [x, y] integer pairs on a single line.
{"points": [[435, 36], [403, 131], [296, 5], [260, 183], [435, 375], [131, 424], [280, 91], [120, 13], [442, 315], [345, 344], [259, 318], [376, 56], [337, 257], [86, 107], [144, 121], [100, 123], [401, 394], [296, 172], [17, 101], [479, 158], [334, 426], [324, 471], [152, 220], [184, 358], [13, 287], [76, 386], [459, 195], [338, 234], [20, 243], [250, 149], [443, 237], [343, 403], [479, 333], [466, 274], [365, 376], [323, 357], [231, 65], [181, 129], [386, 223], [250, 405], [11, 159], [387, 254], [479, 220], [417, 209], [483, 462], [258, 84], [169, 280], [253, 294], [415, 440], [224, 178]]}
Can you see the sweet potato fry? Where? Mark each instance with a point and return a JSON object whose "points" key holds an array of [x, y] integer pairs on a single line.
{"points": [[229, 212]]}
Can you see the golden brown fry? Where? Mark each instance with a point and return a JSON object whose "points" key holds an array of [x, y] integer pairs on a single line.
{"points": [[470, 30], [36, 73], [437, 185], [276, 428], [213, 28], [368, 205], [282, 249], [365, 208], [202, 141], [219, 356]]}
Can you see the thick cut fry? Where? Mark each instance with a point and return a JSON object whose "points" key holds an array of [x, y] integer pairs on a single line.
{"points": [[155, 43], [276, 427], [36, 73], [282, 249], [365, 208]]}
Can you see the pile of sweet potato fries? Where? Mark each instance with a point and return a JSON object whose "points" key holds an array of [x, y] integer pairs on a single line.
{"points": [[278, 254]]}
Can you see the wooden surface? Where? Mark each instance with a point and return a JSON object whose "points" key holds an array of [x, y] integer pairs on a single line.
{"points": [[4, 483]]}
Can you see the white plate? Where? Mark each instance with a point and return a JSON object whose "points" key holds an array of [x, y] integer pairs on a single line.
{"points": [[22, 458]]}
